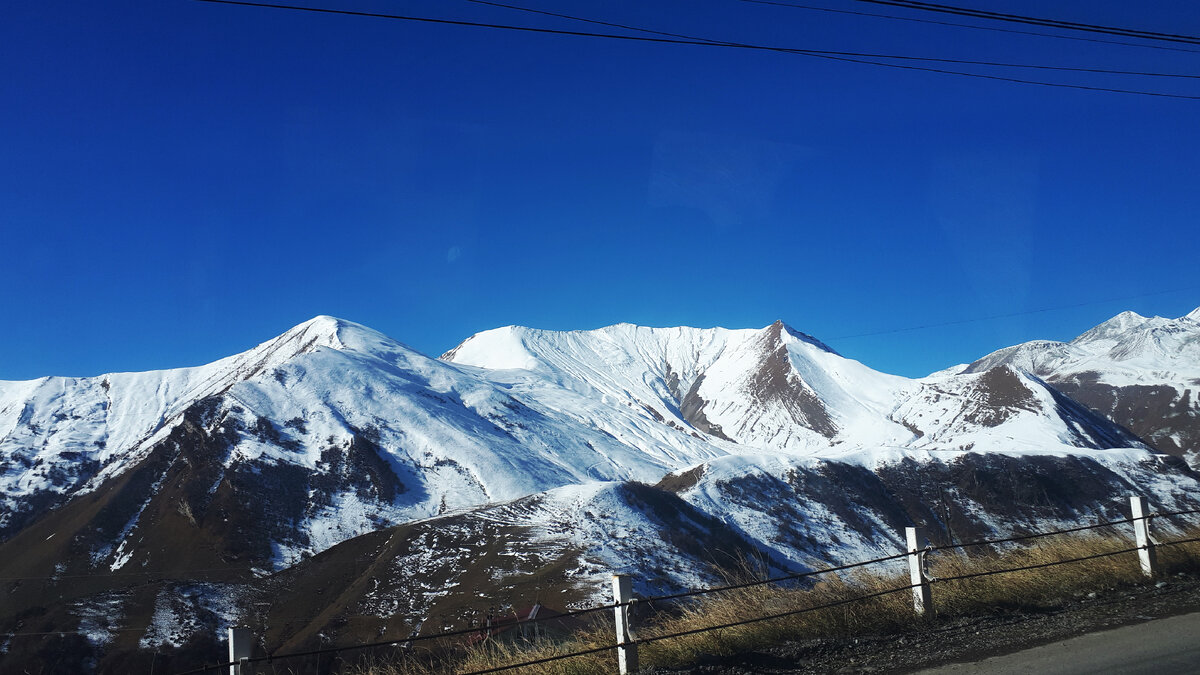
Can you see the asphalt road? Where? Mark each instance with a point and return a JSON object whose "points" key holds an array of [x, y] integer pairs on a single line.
{"points": [[1170, 645]]}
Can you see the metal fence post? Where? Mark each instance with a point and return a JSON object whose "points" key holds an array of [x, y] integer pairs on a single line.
{"points": [[241, 646], [1141, 535], [627, 655], [922, 595]]}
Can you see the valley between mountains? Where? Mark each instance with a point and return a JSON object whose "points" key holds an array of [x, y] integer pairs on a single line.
{"points": [[333, 486]]}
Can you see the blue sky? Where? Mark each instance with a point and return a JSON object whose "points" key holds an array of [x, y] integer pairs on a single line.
{"points": [[181, 180]]}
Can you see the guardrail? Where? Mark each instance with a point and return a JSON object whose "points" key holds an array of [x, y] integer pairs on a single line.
{"points": [[626, 643]]}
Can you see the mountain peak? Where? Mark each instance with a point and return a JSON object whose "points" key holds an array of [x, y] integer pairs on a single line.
{"points": [[1113, 328], [320, 331], [1194, 315], [1126, 319], [501, 348], [322, 323], [779, 329]]}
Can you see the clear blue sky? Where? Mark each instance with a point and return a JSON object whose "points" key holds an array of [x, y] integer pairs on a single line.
{"points": [[181, 180]]}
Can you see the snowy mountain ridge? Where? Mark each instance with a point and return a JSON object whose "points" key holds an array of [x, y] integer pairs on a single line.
{"points": [[65, 430], [1127, 349], [333, 457], [1141, 372], [514, 411], [772, 389]]}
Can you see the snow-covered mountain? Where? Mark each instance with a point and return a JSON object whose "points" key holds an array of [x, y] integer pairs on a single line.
{"points": [[364, 431], [1141, 372], [548, 456], [779, 390], [383, 435]]}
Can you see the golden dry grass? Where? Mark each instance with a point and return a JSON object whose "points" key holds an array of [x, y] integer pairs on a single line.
{"points": [[1037, 588]]}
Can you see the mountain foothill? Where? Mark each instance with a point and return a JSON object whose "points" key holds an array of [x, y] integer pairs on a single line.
{"points": [[333, 486]]}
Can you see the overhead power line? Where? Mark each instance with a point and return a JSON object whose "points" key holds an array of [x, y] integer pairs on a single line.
{"points": [[1035, 21], [825, 52], [596, 22], [849, 57], [995, 29], [1013, 314]]}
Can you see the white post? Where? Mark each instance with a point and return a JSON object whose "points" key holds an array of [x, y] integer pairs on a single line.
{"points": [[1141, 535], [627, 656], [241, 646], [922, 596]]}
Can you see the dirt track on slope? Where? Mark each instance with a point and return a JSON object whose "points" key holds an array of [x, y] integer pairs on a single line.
{"points": [[966, 639]]}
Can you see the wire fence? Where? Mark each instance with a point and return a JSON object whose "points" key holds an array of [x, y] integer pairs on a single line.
{"points": [[633, 643], [772, 580], [416, 639]]}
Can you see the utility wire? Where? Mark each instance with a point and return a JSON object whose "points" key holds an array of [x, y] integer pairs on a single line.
{"points": [[547, 659], [1035, 535], [591, 21], [1191, 540], [477, 630], [732, 624], [1010, 314], [693, 631], [994, 29], [828, 605], [709, 43], [999, 78], [1025, 568], [774, 580], [841, 53], [1168, 514], [1035, 21]]}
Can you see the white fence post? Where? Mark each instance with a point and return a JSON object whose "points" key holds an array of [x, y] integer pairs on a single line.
{"points": [[922, 595], [241, 646], [1141, 535], [627, 655]]}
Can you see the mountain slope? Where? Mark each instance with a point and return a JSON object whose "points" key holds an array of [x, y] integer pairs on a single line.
{"points": [[1140, 372], [333, 430], [353, 429], [694, 529], [57, 433], [520, 450], [778, 390]]}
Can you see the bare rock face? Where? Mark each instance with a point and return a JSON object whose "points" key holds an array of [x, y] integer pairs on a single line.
{"points": [[776, 381], [996, 397], [334, 468], [1141, 373], [1164, 416], [692, 406]]}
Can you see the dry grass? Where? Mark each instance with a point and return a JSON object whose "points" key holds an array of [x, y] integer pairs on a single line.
{"points": [[1032, 589]]}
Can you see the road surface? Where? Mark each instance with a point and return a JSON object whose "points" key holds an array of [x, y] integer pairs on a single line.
{"points": [[1159, 646]]}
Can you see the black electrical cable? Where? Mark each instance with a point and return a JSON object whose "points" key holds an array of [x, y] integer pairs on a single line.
{"points": [[768, 617], [708, 43], [587, 20], [1169, 514], [547, 659], [995, 29], [1178, 541], [774, 580], [1036, 21], [1023, 568], [965, 62], [1035, 535], [403, 640], [685, 594]]}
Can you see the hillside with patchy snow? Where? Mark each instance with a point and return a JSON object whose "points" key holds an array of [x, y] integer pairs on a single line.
{"points": [[1141, 372], [526, 461]]}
